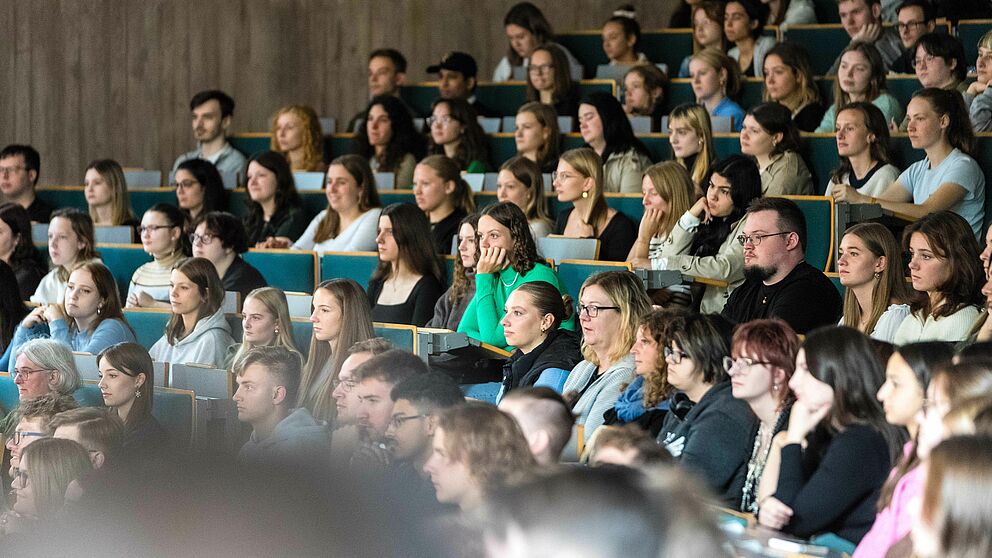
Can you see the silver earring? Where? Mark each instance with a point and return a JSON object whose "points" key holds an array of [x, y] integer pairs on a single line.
{"points": [[137, 394]]}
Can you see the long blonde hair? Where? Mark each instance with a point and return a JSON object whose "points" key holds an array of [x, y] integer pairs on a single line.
{"points": [[112, 173], [627, 292], [275, 303], [698, 119], [589, 164], [313, 136], [53, 463], [671, 181], [890, 286]]}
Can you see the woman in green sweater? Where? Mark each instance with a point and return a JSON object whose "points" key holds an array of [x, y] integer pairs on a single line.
{"points": [[508, 258]]}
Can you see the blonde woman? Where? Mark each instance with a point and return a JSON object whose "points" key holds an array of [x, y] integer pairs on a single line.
{"points": [[537, 135], [265, 321], [579, 179], [296, 133], [70, 242], [444, 196], [520, 182], [106, 194], [46, 469], [668, 193], [691, 136], [716, 82]]}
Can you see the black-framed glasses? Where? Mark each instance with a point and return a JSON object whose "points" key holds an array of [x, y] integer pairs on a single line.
{"points": [[348, 385], [593, 311], [20, 434], [927, 59], [539, 68], [204, 239], [399, 420], [755, 239], [909, 25], [675, 355], [152, 228], [741, 362], [185, 184]]}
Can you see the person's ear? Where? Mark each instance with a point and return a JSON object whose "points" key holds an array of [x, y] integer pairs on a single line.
{"points": [[881, 263], [279, 395], [792, 241], [139, 380], [539, 442], [431, 424], [546, 322], [471, 84], [449, 187], [97, 458], [33, 176], [876, 11], [400, 78], [225, 123]]}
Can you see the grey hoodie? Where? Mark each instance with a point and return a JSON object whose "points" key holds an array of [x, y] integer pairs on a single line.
{"points": [[298, 439], [207, 344]]}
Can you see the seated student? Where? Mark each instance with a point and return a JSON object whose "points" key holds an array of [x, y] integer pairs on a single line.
{"points": [[12, 312], [296, 134], [442, 194], [707, 31], [455, 132], [621, 33], [743, 26], [863, 23], [704, 241], [408, 280], [706, 429], [199, 188], [526, 28], [41, 366], [545, 352], [162, 237], [945, 269], [105, 190], [478, 450], [212, 112], [221, 238], [274, 205], [771, 137], [388, 139], [606, 130], [948, 178], [17, 249], [21, 166], [30, 423], [611, 304], [957, 472], [940, 64], [691, 136], [89, 321], [451, 306], [876, 298], [549, 85], [47, 470], [761, 363], [667, 192], [644, 401], [457, 78], [282, 434], [341, 318], [789, 82], [265, 322], [345, 438], [537, 136], [544, 418], [861, 78], [838, 449], [784, 14], [127, 379], [980, 111], [520, 182], [99, 431], [778, 283], [625, 446], [644, 93], [197, 332], [71, 241], [716, 82], [863, 148], [903, 396], [410, 433], [508, 258], [386, 74], [579, 179], [914, 18], [374, 382]]}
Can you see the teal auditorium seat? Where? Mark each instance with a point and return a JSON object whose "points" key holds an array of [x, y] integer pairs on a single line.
{"points": [[401, 336], [63, 197], [573, 273], [143, 200], [148, 325], [302, 332], [348, 265], [902, 88], [819, 213], [969, 31], [835, 279], [830, 40], [175, 410], [290, 270], [88, 395], [389, 197], [504, 98], [826, 11], [252, 143], [9, 398], [122, 260], [680, 92]]}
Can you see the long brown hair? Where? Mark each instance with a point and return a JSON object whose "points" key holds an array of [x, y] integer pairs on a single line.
{"points": [[876, 83], [203, 274], [658, 325], [589, 164], [110, 307], [133, 359], [951, 239], [528, 173], [368, 197], [523, 255], [112, 173], [698, 119], [890, 286], [274, 301], [956, 503], [672, 183], [875, 125], [447, 170], [412, 233], [563, 83], [82, 227], [548, 118], [460, 281]]}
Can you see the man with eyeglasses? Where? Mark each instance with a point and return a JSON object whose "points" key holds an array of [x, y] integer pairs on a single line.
{"points": [[212, 112], [20, 166], [778, 283], [33, 418], [915, 18], [862, 19], [456, 74], [345, 438]]}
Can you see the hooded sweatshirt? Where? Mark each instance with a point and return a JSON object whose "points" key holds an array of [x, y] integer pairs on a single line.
{"points": [[298, 440], [559, 351], [206, 344]]}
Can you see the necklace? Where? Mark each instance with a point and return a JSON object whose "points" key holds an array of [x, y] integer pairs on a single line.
{"points": [[510, 284], [756, 465]]}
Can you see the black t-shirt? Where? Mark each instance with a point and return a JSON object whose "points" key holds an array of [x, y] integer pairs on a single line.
{"points": [[615, 240], [445, 230], [805, 299], [418, 308], [808, 119], [242, 278], [39, 211]]}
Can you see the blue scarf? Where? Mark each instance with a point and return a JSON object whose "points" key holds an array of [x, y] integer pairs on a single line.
{"points": [[630, 406]]}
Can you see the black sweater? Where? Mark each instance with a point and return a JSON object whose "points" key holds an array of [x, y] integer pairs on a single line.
{"points": [[833, 485], [559, 350], [805, 299]]}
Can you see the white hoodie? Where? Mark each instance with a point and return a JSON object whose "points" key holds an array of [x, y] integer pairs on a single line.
{"points": [[207, 344]]}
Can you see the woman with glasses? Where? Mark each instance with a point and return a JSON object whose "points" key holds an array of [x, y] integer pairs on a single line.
{"points": [[579, 180], [105, 190], [706, 429], [71, 241], [163, 238], [199, 188], [770, 136], [549, 81], [903, 397], [763, 358], [265, 321], [46, 470], [221, 238], [606, 129], [127, 378], [862, 136], [939, 63], [611, 304], [444, 196], [455, 132]]}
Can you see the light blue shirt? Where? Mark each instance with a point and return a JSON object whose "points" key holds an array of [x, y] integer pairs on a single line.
{"points": [[957, 168], [728, 107], [108, 333]]}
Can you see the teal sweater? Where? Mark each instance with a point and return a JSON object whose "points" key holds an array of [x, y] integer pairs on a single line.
{"points": [[485, 312]]}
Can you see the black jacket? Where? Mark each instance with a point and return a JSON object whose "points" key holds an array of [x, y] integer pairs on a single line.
{"points": [[559, 350]]}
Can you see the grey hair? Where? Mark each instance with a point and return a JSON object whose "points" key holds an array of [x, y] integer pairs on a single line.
{"points": [[52, 355]]}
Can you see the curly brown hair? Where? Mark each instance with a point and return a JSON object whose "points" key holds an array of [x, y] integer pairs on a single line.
{"points": [[523, 257], [658, 325]]}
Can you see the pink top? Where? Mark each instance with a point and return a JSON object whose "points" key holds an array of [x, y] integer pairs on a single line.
{"points": [[894, 522]]}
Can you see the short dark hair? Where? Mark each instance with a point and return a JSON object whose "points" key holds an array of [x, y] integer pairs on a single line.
{"points": [[374, 345], [776, 118], [226, 227], [283, 364], [428, 392], [394, 55], [929, 14], [392, 367], [98, 427], [225, 101], [947, 47], [706, 340], [790, 217], [757, 11], [214, 194], [32, 161]]}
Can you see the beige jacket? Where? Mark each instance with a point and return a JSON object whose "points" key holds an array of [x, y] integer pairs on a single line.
{"points": [[787, 175], [623, 172]]}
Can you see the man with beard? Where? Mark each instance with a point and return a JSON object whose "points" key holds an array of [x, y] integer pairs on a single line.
{"points": [[778, 283], [212, 112]]}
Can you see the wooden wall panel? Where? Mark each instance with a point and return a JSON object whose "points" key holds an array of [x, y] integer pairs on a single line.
{"points": [[84, 79]]}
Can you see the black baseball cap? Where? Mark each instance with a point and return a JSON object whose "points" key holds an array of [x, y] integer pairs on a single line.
{"points": [[456, 62]]}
